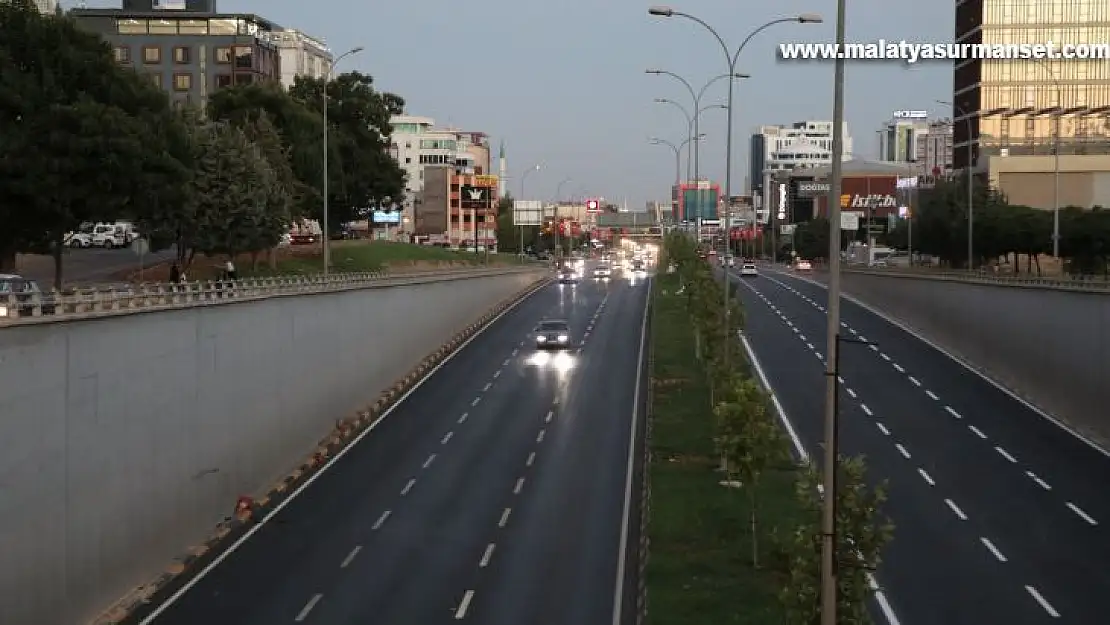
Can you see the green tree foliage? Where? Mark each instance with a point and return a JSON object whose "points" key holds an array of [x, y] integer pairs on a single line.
{"points": [[237, 205], [862, 534], [82, 138], [1003, 230], [363, 172], [509, 234]]}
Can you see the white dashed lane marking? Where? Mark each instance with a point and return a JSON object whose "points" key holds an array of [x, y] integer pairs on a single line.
{"points": [[925, 476], [487, 387], [303, 614], [464, 605], [486, 556], [446, 438], [1043, 603], [994, 550], [350, 557], [956, 509], [519, 486], [504, 517], [902, 450], [1043, 484], [381, 520], [882, 428], [408, 486], [464, 417], [476, 401], [866, 410], [429, 461], [1005, 454], [977, 432], [531, 459], [932, 395], [1079, 511], [952, 411]]}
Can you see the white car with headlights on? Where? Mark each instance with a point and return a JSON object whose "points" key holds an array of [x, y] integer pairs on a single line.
{"points": [[553, 334], [748, 270]]}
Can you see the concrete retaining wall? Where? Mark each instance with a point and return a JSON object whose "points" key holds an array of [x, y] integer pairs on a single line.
{"points": [[1053, 347], [124, 439]]}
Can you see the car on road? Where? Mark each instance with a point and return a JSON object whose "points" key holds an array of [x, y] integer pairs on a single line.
{"points": [[568, 276], [748, 270], [638, 268], [803, 265], [553, 334], [19, 297], [603, 271]]}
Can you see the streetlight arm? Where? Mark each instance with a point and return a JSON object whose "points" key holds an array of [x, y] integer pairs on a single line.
{"points": [[714, 80], [733, 58], [724, 46]]}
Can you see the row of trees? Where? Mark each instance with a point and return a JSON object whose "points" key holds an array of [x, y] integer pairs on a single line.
{"points": [[751, 445], [1003, 232], [86, 140]]}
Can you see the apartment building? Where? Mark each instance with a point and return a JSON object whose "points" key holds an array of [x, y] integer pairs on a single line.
{"points": [[189, 51], [302, 55]]}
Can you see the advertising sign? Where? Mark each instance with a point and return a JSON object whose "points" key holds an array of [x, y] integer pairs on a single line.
{"points": [[527, 213], [909, 182], [475, 197], [849, 221], [911, 115], [873, 201], [813, 189], [485, 181], [387, 217]]}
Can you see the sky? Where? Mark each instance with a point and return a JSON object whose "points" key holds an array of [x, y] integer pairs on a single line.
{"points": [[563, 83]]}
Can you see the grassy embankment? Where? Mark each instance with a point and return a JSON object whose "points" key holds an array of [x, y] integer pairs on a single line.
{"points": [[700, 570]]}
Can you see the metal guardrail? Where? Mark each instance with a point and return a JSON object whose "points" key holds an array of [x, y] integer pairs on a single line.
{"points": [[70, 304], [1095, 285]]}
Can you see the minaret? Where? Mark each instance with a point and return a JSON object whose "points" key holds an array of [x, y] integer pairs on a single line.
{"points": [[502, 171]]}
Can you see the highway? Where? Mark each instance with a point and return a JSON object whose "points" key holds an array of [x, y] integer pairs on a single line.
{"points": [[1000, 514], [493, 494], [87, 266]]}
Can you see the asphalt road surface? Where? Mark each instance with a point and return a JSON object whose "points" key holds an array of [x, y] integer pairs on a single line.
{"points": [[86, 266], [493, 494], [1000, 514]]}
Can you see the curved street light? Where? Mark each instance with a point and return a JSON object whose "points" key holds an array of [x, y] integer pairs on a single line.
{"points": [[689, 131], [697, 106], [326, 236], [677, 148]]}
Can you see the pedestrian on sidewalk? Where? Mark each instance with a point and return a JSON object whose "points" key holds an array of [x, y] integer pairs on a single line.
{"points": [[230, 270]]}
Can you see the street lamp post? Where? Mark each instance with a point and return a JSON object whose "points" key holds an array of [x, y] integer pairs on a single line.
{"points": [[696, 130], [691, 123], [677, 162], [970, 187], [731, 58], [326, 235]]}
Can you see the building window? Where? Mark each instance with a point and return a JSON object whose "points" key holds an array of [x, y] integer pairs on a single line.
{"points": [[181, 55], [156, 78], [122, 54], [163, 27], [152, 55], [243, 57], [131, 27], [182, 82], [408, 160], [193, 27], [223, 56], [223, 80]]}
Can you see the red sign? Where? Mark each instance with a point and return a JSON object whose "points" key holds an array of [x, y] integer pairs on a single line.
{"points": [[593, 206]]}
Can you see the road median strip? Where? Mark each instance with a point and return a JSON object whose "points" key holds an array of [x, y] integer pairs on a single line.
{"points": [[248, 510]]}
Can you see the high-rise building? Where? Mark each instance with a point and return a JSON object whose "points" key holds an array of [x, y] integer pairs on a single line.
{"points": [[1017, 106], [302, 55], [938, 148], [785, 148], [902, 140]]}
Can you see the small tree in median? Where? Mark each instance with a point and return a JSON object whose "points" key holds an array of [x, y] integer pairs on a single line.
{"points": [[760, 447], [862, 534]]}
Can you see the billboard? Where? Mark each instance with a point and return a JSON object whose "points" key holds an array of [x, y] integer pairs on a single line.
{"points": [[876, 194], [387, 217], [475, 197], [527, 213], [700, 200], [485, 181], [910, 115], [812, 188]]}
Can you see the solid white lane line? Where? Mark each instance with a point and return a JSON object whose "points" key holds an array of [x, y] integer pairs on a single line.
{"points": [[429, 461], [1005, 454], [446, 438], [977, 431], [953, 412], [486, 556], [902, 450], [994, 550], [464, 606], [464, 416], [487, 387], [1041, 600], [850, 392], [531, 459], [350, 557], [925, 476], [381, 519], [898, 368], [915, 381], [932, 395], [1043, 484], [408, 486], [476, 401], [1083, 515], [882, 428], [504, 517], [519, 486], [308, 607], [539, 437], [549, 417], [866, 410], [956, 509]]}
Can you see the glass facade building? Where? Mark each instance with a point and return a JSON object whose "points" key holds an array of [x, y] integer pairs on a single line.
{"points": [[1029, 106]]}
